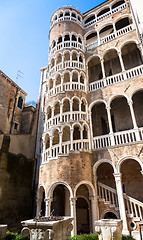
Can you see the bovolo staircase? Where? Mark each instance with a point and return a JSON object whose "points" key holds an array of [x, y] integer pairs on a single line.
{"points": [[108, 197]]}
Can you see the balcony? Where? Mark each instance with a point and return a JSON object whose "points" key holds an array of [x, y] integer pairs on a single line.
{"points": [[105, 15], [118, 138], [128, 74], [110, 37]]}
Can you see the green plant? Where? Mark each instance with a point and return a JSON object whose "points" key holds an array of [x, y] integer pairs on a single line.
{"points": [[127, 238], [90, 236], [15, 236]]}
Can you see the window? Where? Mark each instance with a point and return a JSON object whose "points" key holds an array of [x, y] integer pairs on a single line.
{"points": [[15, 126], [20, 102]]}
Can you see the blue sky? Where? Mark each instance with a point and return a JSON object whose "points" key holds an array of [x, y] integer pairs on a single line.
{"points": [[24, 27]]}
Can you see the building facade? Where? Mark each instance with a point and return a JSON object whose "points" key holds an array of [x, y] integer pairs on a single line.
{"points": [[18, 124], [92, 101]]}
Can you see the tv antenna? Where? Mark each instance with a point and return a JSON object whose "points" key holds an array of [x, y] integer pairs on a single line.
{"points": [[19, 75]]}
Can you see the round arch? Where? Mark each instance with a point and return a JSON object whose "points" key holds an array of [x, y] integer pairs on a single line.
{"points": [[96, 102], [127, 158], [89, 186], [96, 165], [54, 185]]}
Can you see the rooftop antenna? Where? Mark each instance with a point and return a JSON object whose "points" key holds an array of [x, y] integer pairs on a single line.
{"points": [[19, 75]]}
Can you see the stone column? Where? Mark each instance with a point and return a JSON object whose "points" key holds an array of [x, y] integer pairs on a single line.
{"points": [[114, 27], [73, 214], [62, 79], [103, 72], [71, 104], [130, 103], [48, 206], [51, 138], [110, 125], [121, 62], [94, 207], [71, 139], [60, 140], [121, 202], [81, 137], [98, 38], [70, 81], [70, 59], [61, 111]]}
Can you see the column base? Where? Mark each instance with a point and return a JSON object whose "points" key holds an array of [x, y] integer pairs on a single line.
{"points": [[125, 232]]}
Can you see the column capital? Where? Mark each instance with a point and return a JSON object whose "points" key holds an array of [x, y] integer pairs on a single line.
{"points": [[130, 102], [48, 200], [73, 200], [92, 198], [117, 176], [108, 108]]}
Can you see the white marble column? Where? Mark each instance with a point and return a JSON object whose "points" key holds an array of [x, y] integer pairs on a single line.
{"points": [[121, 61], [73, 214], [110, 125], [121, 202], [94, 208], [51, 138], [61, 111], [130, 103], [48, 206], [60, 140], [81, 137], [71, 139]]}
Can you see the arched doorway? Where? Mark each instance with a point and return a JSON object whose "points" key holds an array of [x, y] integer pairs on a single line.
{"points": [[60, 205], [82, 216]]}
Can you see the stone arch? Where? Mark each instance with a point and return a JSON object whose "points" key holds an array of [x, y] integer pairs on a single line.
{"points": [[103, 9], [119, 2], [117, 95], [109, 211], [56, 107], [89, 186], [49, 112], [66, 133], [66, 76], [52, 187], [126, 158], [97, 101], [96, 165], [55, 137], [89, 18], [66, 55], [76, 131], [58, 58], [66, 105], [75, 103], [58, 79]]}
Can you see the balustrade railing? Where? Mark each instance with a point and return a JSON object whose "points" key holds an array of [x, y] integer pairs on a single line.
{"points": [[67, 44], [118, 138], [66, 64], [110, 37], [108, 194], [131, 73], [65, 117], [65, 18], [54, 151], [134, 207], [105, 15]]}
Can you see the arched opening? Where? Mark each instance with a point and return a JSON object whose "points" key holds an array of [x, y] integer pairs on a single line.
{"points": [[99, 120], [74, 38], [58, 80], [106, 31], [118, 4], [59, 40], [103, 12], [76, 133], [47, 141], [66, 134], [132, 179], [94, 69], [138, 107], [66, 77], [66, 56], [67, 14], [51, 84], [55, 137], [67, 38], [55, 18], [85, 132], [83, 106], [82, 79], [79, 40], [112, 63], [42, 205], [91, 18], [57, 108], [79, 18], [122, 23], [105, 175], [49, 112], [59, 58], [74, 56], [120, 114], [92, 37], [83, 209], [73, 15], [52, 62], [60, 205], [60, 14], [66, 106], [110, 215], [80, 59], [53, 44], [75, 77], [131, 56], [75, 104]]}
